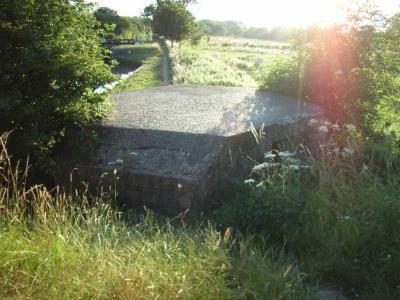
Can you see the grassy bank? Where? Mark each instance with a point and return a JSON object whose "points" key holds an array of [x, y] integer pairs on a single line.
{"points": [[150, 56], [295, 225], [54, 246], [225, 61]]}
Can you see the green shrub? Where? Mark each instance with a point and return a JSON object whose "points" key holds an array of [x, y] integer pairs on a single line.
{"points": [[51, 63], [339, 215], [284, 75]]}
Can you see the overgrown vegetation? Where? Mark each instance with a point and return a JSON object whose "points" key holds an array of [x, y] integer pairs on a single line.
{"points": [[123, 27], [351, 70], [225, 61], [58, 246], [336, 209], [323, 214], [51, 63]]}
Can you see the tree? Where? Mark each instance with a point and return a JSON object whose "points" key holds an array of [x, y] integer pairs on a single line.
{"points": [[107, 17], [51, 63], [172, 20]]}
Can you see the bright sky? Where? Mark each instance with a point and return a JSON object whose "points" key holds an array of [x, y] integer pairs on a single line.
{"points": [[259, 13]]}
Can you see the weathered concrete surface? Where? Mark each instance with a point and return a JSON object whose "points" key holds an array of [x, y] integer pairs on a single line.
{"points": [[180, 146]]}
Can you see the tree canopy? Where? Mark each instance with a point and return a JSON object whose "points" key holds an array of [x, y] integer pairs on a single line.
{"points": [[123, 27], [51, 63], [172, 20]]}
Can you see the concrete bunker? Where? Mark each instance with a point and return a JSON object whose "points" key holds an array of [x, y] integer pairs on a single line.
{"points": [[182, 146]]}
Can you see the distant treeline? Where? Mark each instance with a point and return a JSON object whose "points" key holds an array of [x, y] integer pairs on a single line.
{"points": [[123, 27], [237, 29]]}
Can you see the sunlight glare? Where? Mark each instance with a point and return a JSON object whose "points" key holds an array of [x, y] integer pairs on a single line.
{"points": [[269, 13]]}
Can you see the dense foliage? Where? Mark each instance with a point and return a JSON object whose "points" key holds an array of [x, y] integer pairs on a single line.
{"points": [[351, 70], [51, 63], [383, 70], [173, 21], [124, 27], [338, 212]]}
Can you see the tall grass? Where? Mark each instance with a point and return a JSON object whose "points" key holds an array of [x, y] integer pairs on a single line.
{"points": [[224, 62], [339, 216], [59, 246]]}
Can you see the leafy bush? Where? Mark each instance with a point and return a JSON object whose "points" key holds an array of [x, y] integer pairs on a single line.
{"points": [[51, 63], [338, 214], [382, 84], [285, 76]]}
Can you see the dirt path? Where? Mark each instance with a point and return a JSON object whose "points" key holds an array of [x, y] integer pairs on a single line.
{"points": [[165, 64]]}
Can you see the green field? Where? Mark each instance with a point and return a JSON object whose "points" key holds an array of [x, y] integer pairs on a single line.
{"points": [[225, 61], [217, 61]]}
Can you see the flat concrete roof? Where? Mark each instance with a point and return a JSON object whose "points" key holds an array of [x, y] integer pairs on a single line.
{"points": [[221, 111]]}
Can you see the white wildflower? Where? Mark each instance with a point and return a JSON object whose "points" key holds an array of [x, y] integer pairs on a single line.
{"points": [[55, 87], [351, 127], [119, 161], [285, 154], [269, 155], [323, 129], [261, 167], [249, 181], [293, 167]]}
